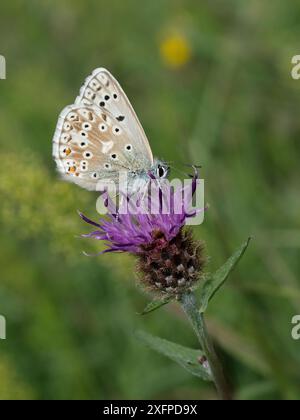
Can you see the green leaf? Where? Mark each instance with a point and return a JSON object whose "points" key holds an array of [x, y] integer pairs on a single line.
{"points": [[238, 346], [156, 304], [213, 284], [188, 358], [256, 391]]}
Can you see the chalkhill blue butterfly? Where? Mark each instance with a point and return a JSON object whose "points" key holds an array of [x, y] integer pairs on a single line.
{"points": [[99, 137]]}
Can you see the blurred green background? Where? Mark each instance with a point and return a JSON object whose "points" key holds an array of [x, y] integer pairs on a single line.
{"points": [[210, 81]]}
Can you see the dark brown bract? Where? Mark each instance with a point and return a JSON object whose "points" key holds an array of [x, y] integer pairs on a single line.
{"points": [[171, 267]]}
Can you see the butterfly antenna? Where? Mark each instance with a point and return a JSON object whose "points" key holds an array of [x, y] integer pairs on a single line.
{"points": [[185, 174], [193, 166]]}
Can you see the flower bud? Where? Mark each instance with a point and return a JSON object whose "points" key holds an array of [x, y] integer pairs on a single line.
{"points": [[171, 267]]}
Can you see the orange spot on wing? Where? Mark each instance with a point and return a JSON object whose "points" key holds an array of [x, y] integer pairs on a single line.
{"points": [[72, 169]]}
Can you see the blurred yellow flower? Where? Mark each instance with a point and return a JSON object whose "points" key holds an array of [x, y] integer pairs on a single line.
{"points": [[175, 50]]}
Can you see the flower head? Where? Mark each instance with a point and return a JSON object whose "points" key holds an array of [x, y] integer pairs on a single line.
{"points": [[175, 50], [169, 259]]}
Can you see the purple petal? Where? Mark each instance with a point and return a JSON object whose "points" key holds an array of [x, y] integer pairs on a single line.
{"points": [[83, 217]]}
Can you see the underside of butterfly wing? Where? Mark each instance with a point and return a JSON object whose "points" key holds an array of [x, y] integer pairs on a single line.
{"points": [[103, 90], [99, 136], [89, 147]]}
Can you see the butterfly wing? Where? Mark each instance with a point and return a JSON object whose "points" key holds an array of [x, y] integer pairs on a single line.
{"points": [[100, 136], [102, 90]]}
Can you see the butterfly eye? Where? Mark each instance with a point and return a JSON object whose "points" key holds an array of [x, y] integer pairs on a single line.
{"points": [[161, 172], [116, 130], [128, 147]]}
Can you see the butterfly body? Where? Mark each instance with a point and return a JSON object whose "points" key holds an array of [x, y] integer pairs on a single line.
{"points": [[99, 139], [138, 179]]}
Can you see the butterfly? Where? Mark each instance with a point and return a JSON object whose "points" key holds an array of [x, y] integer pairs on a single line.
{"points": [[100, 137]]}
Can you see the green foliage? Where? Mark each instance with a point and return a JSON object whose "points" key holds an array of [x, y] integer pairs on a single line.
{"points": [[156, 304], [234, 109], [11, 386], [216, 280], [189, 359]]}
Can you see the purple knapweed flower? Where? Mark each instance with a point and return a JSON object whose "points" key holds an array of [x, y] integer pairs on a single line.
{"points": [[169, 259]]}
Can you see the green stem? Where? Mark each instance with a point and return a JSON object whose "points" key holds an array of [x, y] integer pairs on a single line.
{"points": [[189, 305]]}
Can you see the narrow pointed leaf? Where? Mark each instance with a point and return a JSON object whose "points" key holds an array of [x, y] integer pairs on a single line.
{"points": [[156, 304], [189, 359], [214, 282]]}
